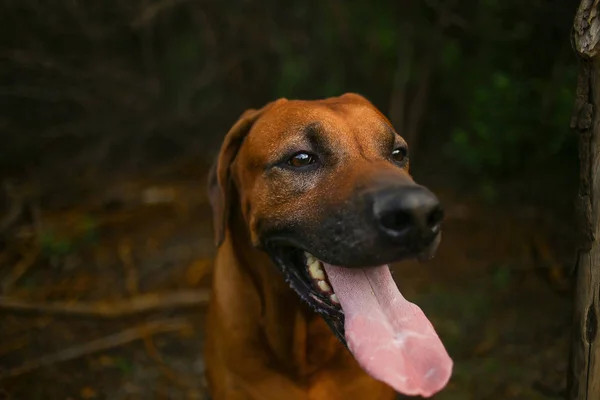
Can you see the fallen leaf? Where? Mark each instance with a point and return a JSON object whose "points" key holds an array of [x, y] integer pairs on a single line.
{"points": [[88, 393], [106, 361]]}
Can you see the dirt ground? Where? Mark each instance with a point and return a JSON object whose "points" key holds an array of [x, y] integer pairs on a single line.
{"points": [[105, 299]]}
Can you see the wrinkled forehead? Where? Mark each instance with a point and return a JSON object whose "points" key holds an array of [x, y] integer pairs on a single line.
{"points": [[301, 125]]}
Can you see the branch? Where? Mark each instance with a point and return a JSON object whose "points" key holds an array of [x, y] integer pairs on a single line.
{"points": [[152, 11], [20, 269], [401, 78], [417, 110], [111, 309], [102, 344], [15, 209]]}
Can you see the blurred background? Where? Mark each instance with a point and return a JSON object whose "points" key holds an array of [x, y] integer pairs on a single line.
{"points": [[111, 113]]}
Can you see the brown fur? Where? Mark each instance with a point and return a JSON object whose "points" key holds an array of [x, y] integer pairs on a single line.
{"points": [[262, 342]]}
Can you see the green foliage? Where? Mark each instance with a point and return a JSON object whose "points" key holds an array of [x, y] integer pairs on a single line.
{"points": [[53, 245], [504, 84], [513, 88], [499, 101], [57, 244], [124, 365], [502, 277]]}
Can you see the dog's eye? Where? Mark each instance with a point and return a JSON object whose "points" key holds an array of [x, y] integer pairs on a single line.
{"points": [[302, 159], [399, 154]]}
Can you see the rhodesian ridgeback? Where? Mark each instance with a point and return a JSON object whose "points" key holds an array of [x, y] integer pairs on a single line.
{"points": [[312, 200]]}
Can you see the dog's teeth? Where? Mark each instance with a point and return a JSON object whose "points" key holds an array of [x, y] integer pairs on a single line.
{"points": [[316, 272], [310, 259], [324, 286]]}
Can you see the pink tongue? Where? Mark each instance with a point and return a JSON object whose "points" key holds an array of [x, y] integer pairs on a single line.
{"points": [[390, 337]]}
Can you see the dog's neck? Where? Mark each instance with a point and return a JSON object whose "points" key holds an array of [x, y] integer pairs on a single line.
{"points": [[288, 323], [257, 264]]}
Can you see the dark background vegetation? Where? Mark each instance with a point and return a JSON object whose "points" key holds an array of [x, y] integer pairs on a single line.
{"points": [[110, 113]]}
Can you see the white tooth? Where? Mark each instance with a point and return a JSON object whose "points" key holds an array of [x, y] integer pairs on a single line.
{"points": [[310, 259], [316, 271], [324, 286], [334, 298]]}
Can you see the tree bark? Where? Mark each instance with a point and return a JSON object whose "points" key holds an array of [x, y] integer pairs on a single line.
{"points": [[584, 371]]}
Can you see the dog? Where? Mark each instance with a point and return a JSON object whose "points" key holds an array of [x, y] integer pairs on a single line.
{"points": [[311, 201]]}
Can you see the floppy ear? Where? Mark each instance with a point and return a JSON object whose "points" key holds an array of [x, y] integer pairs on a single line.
{"points": [[219, 176], [355, 97]]}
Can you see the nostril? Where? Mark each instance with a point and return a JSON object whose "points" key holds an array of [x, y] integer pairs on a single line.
{"points": [[397, 221], [435, 217]]}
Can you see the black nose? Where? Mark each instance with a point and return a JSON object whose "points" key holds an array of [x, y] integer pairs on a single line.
{"points": [[408, 210]]}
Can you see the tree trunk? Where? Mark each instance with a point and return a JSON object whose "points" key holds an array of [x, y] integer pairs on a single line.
{"points": [[584, 371]]}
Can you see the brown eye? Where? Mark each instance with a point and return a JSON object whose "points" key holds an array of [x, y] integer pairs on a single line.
{"points": [[302, 160], [399, 154]]}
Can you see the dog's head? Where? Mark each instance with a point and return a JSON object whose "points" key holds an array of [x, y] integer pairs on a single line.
{"points": [[322, 184]]}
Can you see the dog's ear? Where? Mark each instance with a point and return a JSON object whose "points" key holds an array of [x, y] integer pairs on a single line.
{"points": [[356, 98], [219, 176]]}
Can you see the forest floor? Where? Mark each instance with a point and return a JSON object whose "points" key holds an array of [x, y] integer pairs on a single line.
{"points": [[104, 298]]}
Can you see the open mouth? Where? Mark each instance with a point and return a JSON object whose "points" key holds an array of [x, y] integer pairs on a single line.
{"points": [[306, 275], [390, 337]]}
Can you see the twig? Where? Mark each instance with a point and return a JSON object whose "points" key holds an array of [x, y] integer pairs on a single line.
{"points": [[36, 218], [131, 276], [418, 103], [5, 256], [112, 309], [405, 61], [102, 344], [20, 269], [16, 207], [180, 380], [13, 345], [151, 12], [401, 77], [446, 18], [133, 290], [410, 124]]}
